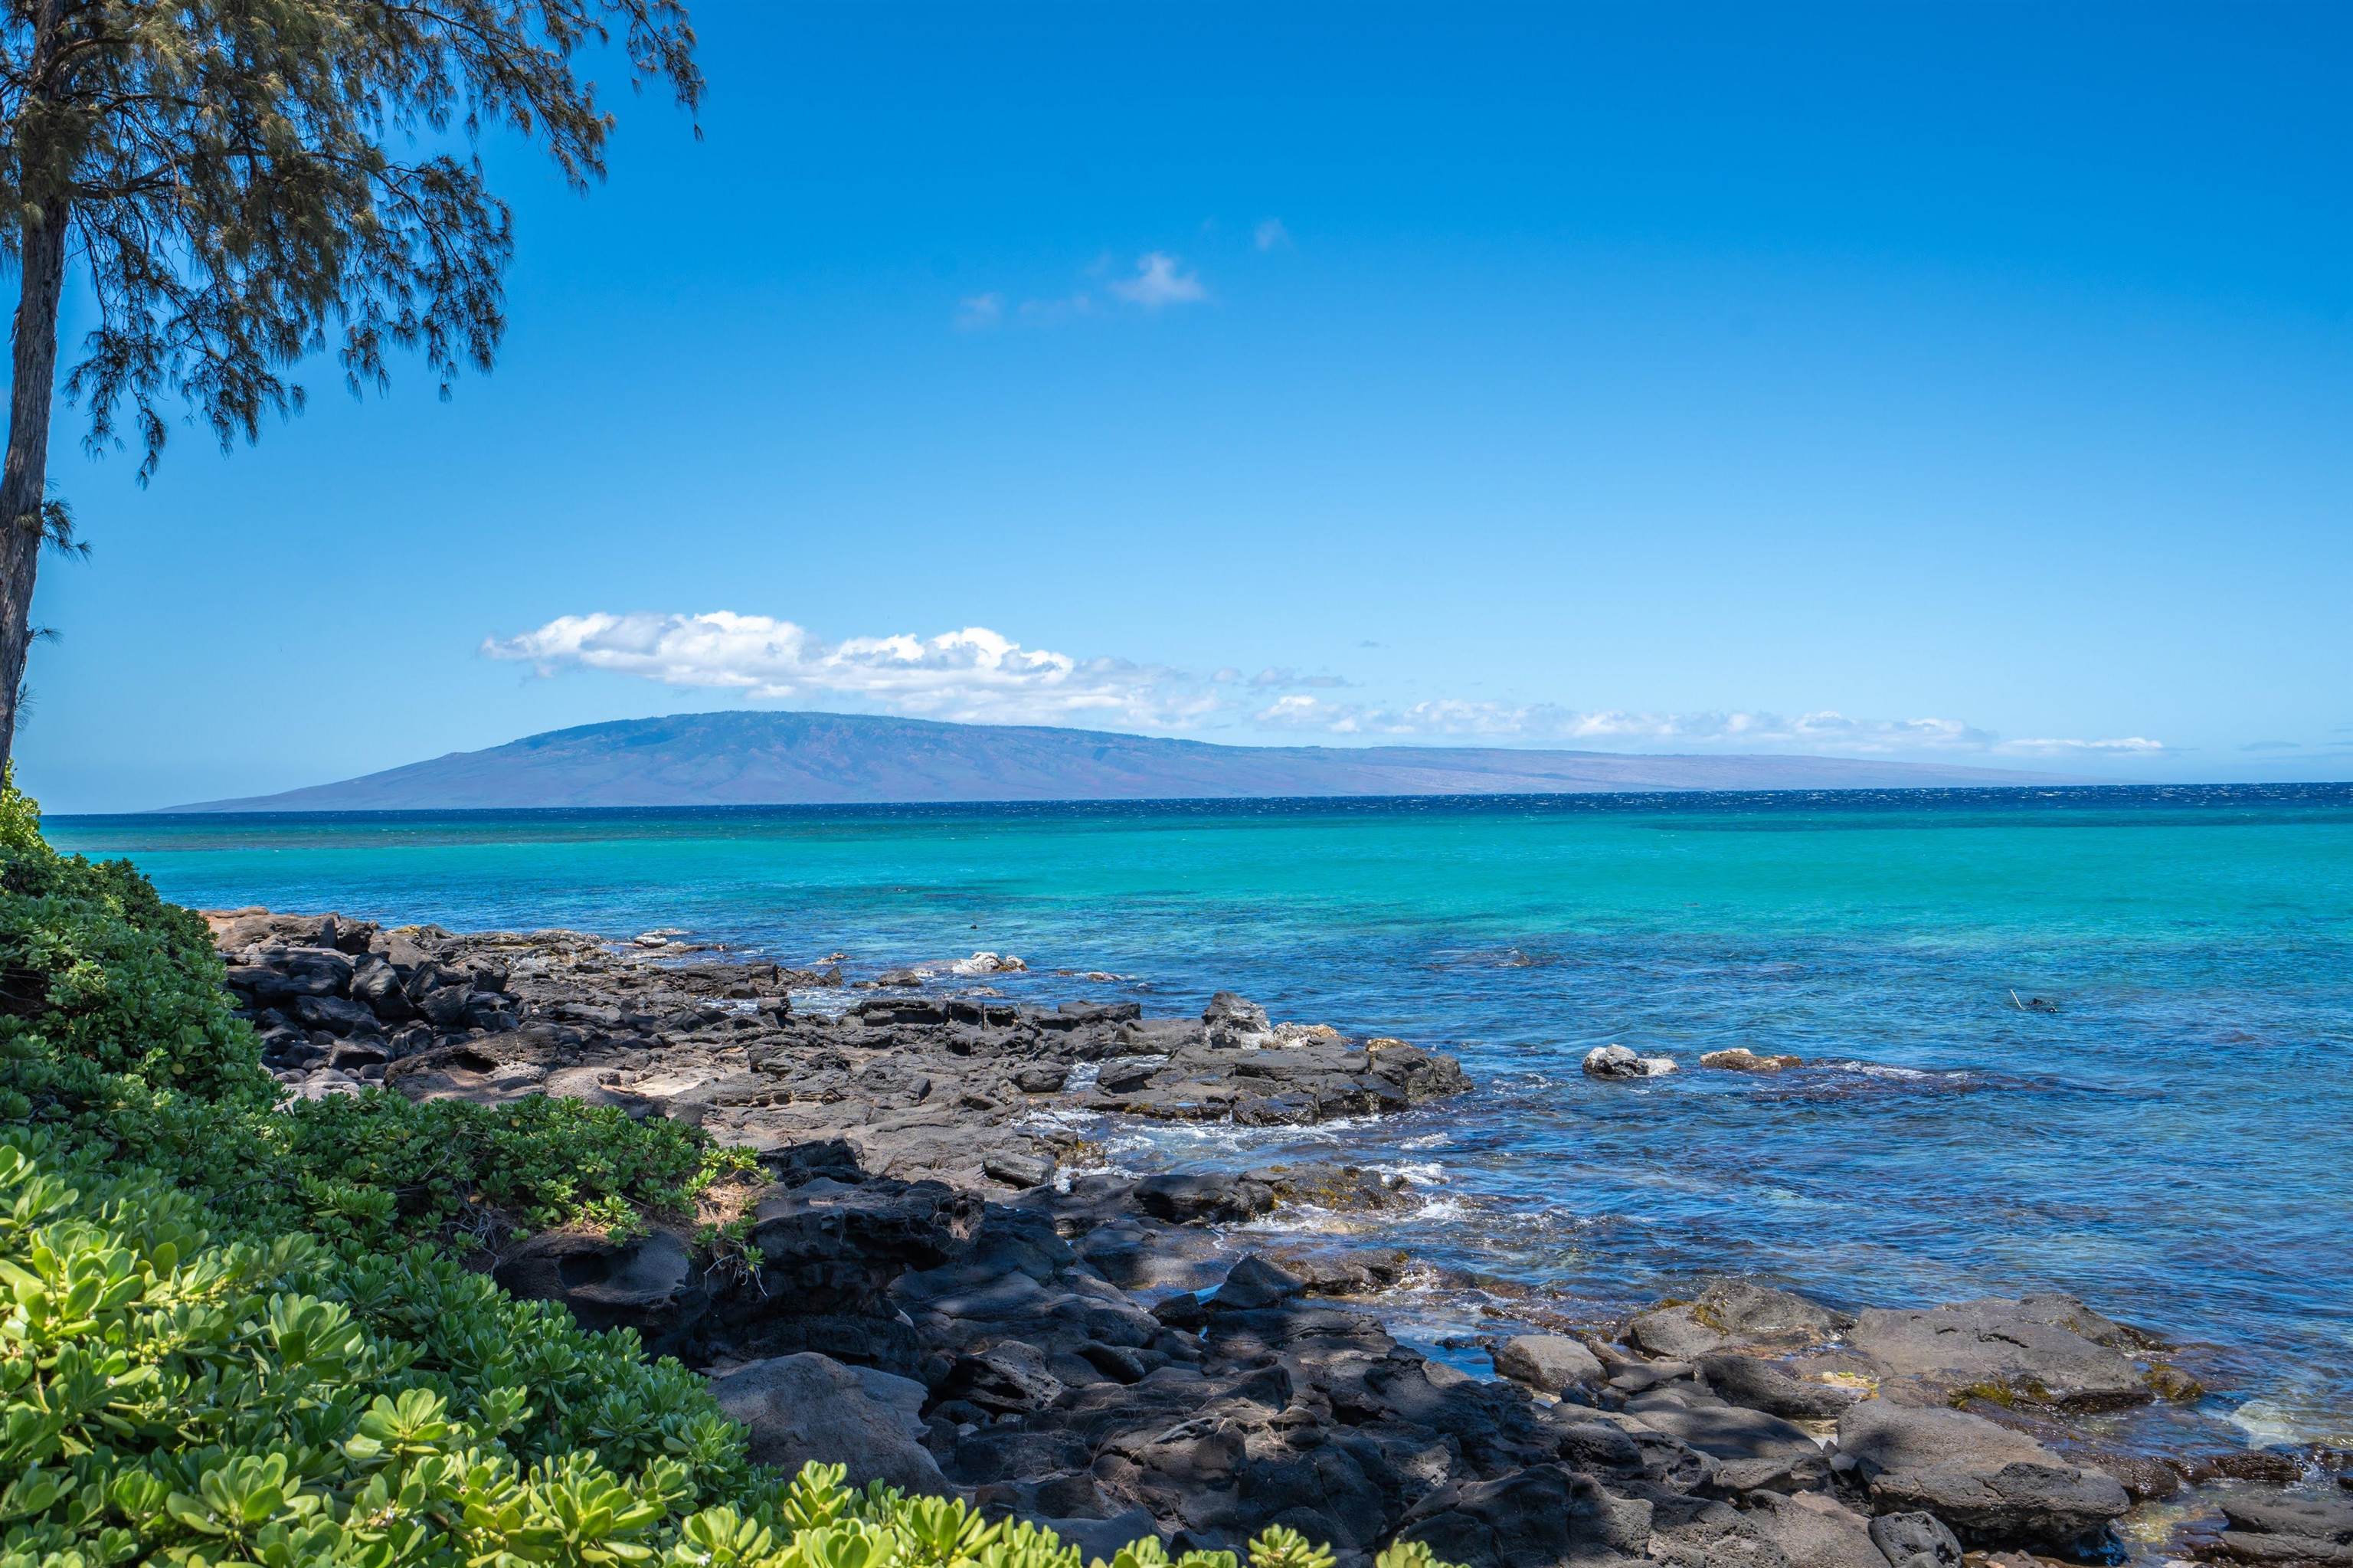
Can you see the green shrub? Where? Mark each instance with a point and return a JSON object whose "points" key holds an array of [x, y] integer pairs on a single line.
{"points": [[230, 1333], [381, 1163], [108, 995]]}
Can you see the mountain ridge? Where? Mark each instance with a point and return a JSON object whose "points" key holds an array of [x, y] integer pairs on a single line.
{"points": [[748, 759]]}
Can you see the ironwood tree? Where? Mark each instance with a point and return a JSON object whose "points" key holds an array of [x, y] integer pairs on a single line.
{"points": [[239, 185]]}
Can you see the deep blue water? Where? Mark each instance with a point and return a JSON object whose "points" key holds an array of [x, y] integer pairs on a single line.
{"points": [[2174, 1142]]}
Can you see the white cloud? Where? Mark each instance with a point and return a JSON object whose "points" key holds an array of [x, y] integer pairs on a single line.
{"points": [[2126, 746], [975, 674], [972, 674], [1550, 724], [1158, 281], [1286, 677], [1269, 234], [1161, 279]]}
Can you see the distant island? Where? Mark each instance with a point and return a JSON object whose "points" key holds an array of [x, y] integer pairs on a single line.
{"points": [[813, 759]]}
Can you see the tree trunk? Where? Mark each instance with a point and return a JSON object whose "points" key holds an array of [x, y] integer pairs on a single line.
{"points": [[23, 480]]}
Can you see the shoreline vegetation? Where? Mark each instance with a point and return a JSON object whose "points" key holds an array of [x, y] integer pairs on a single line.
{"points": [[397, 1245], [234, 1331]]}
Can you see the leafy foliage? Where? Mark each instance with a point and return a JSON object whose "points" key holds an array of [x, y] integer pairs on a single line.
{"points": [[104, 988], [227, 1335], [252, 181], [536, 1163]]}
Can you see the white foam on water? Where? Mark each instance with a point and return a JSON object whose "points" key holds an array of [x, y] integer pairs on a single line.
{"points": [[1885, 1070], [2271, 1420]]}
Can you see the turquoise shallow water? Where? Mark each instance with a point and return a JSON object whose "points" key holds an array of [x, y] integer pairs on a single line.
{"points": [[2174, 1142]]}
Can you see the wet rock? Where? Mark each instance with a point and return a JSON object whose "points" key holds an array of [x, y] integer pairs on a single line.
{"points": [[1352, 1273], [800, 1408], [1199, 1198], [1992, 1485], [2317, 1528], [2250, 1464], [1617, 1063], [2020, 1351], [1296, 1086], [1232, 1022], [1548, 1361], [1740, 1059], [1343, 1189], [1045, 1078]]}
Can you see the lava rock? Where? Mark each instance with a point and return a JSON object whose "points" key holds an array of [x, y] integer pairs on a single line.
{"points": [[1616, 1062], [1992, 1485], [1233, 1022], [640, 1284], [808, 1408], [1254, 1283], [1761, 1385], [1194, 1199], [1741, 1059], [1545, 1516], [1548, 1361], [1907, 1538], [1018, 1168], [2018, 1351]]}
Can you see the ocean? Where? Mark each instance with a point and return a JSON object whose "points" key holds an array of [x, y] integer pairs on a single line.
{"points": [[2168, 1132]]}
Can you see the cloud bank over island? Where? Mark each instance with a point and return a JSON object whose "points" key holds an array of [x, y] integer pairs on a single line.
{"points": [[975, 675]]}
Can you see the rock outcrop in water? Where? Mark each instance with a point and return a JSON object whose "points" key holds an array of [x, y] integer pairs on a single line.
{"points": [[952, 1293]]}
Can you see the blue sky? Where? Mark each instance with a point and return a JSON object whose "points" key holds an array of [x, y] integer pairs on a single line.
{"points": [[1969, 383]]}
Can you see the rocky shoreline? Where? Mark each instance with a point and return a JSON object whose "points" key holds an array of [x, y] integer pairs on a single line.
{"points": [[950, 1290]]}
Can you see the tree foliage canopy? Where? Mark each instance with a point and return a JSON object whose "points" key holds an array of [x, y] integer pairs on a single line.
{"points": [[249, 182]]}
